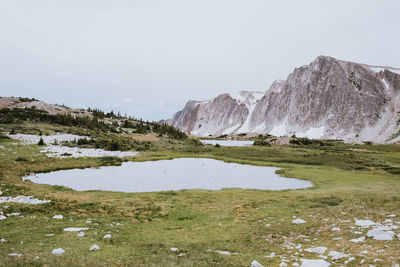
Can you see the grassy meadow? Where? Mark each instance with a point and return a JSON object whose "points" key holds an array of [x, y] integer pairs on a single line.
{"points": [[351, 181]]}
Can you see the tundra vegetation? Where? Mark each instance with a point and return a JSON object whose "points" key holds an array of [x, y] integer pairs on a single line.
{"points": [[229, 227]]}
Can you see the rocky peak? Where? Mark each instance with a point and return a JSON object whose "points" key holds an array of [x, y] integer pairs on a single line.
{"points": [[327, 98]]}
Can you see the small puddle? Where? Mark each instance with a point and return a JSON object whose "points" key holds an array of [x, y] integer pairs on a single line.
{"points": [[176, 174]]}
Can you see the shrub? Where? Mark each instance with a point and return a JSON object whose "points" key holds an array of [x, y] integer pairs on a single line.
{"points": [[41, 142], [261, 143], [21, 159], [3, 137]]}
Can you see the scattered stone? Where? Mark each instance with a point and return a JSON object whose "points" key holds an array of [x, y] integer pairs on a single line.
{"points": [[364, 223], [357, 240], [80, 234], [75, 229], [94, 247], [15, 255], [298, 221], [256, 264], [380, 234], [181, 255], [59, 217], [283, 264], [349, 260], [318, 250], [50, 235], [223, 252], [174, 249], [2, 217], [335, 229], [314, 263], [108, 236], [3, 240], [336, 255], [58, 251], [270, 255], [23, 200]]}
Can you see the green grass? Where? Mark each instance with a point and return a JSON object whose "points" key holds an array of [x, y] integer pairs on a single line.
{"points": [[350, 182]]}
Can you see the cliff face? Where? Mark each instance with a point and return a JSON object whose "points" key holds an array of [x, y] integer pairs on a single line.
{"points": [[328, 98]]}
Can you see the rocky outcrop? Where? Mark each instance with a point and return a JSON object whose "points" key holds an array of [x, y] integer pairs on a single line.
{"points": [[19, 102], [328, 98]]}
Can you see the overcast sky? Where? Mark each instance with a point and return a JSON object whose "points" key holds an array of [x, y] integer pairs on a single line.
{"points": [[147, 58]]}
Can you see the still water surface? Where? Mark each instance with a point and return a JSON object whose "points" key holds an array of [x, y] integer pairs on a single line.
{"points": [[176, 174]]}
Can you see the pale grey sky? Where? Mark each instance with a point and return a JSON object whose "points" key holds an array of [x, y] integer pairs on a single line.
{"points": [[147, 58]]}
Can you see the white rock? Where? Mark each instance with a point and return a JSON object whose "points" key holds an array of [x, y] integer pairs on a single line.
{"points": [[337, 255], [314, 263], [318, 250], [298, 221], [15, 255], [379, 234], [59, 217], [349, 260], [49, 235], [181, 255], [58, 251], [283, 264], [94, 247], [108, 236], [75, 229], [174, 249], [80, 234], [223, 252], [357, 240], [256, 264], [3, 240], [270, 255], [23, 200], [364, 223], [335, 229], [2, 217]]}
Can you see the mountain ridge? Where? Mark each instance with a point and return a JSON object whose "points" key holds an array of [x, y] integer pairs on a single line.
{"points": [[328, 98]]}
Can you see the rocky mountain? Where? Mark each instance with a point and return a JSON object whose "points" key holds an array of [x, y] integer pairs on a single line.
{"points": [[328, 98]]}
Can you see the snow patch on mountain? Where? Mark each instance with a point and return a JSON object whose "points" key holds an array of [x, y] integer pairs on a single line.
{"points": [[327, 98], [313, 133]]}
